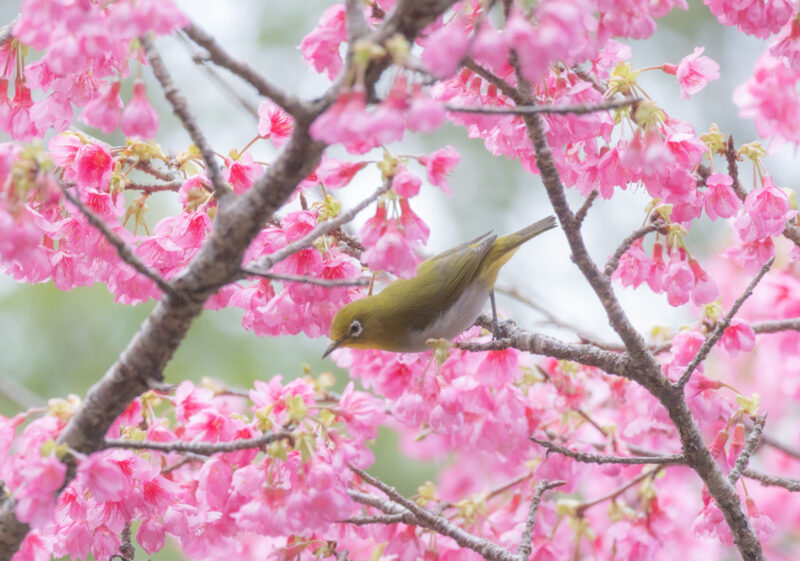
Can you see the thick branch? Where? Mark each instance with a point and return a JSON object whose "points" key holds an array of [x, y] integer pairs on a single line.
{"points": [[589, 458]]}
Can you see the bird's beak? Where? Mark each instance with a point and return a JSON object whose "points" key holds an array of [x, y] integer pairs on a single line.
{"points": [[332, 347]]}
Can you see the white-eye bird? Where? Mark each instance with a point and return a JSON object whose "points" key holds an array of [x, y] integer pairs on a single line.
{"points": [[444, 299]]}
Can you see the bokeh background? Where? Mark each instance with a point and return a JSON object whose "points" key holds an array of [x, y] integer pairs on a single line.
{"points": [[53, 344]]}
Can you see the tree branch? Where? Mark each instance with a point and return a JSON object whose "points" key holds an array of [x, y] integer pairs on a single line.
{"points": [[589, 458], [181, 108], [425, 518], [772, 480], [524, 549], [536, 343], [306, 280], [584, 210], [722, 325], [268, 261], [750, 446], [290, 103], [123, 250], [202, 448], [613, 261], [581, 109]]}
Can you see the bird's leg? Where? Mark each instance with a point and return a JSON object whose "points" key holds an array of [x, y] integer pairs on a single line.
{"points": [[495, 323], [371, 284]]}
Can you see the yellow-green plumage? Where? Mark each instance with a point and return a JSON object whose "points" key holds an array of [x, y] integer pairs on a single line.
{"points": [[444, 299]]}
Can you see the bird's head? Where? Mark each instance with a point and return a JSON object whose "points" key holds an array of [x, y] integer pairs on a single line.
{"points": [[358, 325]]}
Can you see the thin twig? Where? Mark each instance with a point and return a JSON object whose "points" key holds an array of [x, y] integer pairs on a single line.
{"points": [[625, 245], [203, 448], [778, 445], [146, 167], [722, 325], [153, 187], [268, 261], [482, 546], [773, 480], [733, 168], [202, 60], [619, 490], [5, 31], [774, 326], [749, 447], [18, 394], [584, 210], [306, 280], [123, 250], [524, 549], [181, 108], [378, 519], [580, 109], [490, 77], [589, 458], [220, 57]]}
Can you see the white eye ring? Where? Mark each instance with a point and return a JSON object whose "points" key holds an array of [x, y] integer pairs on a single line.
{"points": [[355, 329]]}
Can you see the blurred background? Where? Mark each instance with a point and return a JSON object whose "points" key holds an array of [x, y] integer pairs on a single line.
{"points": [[53, 344]]}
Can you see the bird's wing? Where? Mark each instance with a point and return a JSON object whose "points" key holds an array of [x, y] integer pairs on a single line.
{"points": [[462, 264]]}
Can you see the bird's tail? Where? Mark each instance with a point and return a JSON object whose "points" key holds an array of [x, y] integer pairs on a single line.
{"points": [[505, 246]]}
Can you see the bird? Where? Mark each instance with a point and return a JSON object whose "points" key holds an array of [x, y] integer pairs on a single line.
{"points": [[445, 297]]}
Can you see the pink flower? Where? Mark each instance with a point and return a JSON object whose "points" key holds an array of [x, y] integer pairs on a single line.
{"points": [[35, 499], [678, 280], [762, 524], [752, 255], [64, 149], [242, 172], [362, 412], [405, 183], [770, 98], [765, 213], [705, 289], [754, 18], [693, 72], [392, 252], [321, 47], [335, 174], [103, 111], [439, 164], [738, 337], [445, 47], [274, 122], [53, 111], [425, 114], [139, 119], [787, 45], [151, 535], [94, 165], [710, 522], [103, 477], [720, 199], [634, 266]]}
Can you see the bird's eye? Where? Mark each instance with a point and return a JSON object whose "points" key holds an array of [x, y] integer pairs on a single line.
{"points": [[355, 328]]}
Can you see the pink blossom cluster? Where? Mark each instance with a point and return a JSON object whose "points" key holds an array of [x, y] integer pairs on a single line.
{"points": [[295, 485], [86, 50]]}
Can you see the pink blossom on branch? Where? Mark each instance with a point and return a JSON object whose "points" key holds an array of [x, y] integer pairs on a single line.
{"points": [[694, 71]]}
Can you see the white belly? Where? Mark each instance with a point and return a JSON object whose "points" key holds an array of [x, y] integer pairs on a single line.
{"points": [[454, 321]]}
